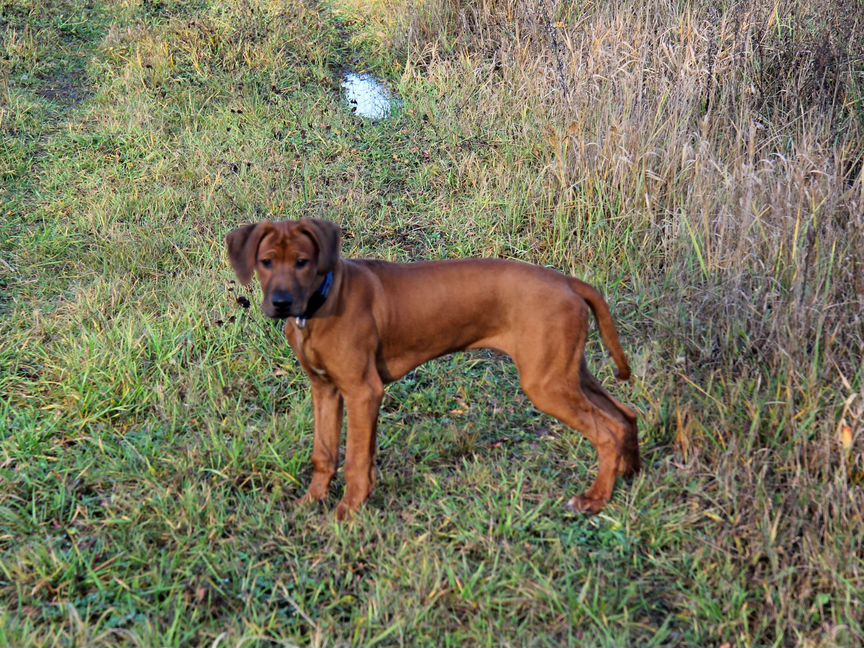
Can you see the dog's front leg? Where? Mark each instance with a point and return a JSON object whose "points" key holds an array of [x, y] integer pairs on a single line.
{"points": [[363, 402], [327, 405]]}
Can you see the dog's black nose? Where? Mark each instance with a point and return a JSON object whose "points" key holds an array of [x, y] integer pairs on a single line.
{"points": [[282, 300]]}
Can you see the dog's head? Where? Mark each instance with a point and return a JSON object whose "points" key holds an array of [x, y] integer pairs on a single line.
{"points": [[291, 259]]}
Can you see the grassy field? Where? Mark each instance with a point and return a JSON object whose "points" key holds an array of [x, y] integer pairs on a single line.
{"points": [[699, 162]]}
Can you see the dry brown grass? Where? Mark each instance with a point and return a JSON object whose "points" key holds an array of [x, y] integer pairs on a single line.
{"points": [[732, 137]]}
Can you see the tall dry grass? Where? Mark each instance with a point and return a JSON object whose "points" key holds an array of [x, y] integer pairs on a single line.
{"points": [[729, 135]]}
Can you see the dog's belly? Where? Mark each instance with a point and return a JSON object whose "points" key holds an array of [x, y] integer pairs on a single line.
{"points": [[396, 366]]}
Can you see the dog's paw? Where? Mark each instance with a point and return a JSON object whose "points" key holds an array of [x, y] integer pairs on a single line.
{"points": [[311, 497], [586, 505], [346, 510]]}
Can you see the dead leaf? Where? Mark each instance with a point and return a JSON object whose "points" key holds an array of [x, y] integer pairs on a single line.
{"points": [[845, 436]]}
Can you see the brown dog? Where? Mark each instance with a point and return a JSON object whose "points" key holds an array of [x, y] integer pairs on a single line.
{"points": [[358, 325]]}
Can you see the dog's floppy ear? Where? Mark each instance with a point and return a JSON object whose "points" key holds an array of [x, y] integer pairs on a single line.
{"points": [[326, 236], [243, 245]]}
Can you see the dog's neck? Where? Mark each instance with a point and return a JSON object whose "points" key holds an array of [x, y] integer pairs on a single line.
{"points": [[316, 301]]}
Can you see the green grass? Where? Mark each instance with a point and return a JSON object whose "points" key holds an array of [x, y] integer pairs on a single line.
{"points": [[154, 433]]}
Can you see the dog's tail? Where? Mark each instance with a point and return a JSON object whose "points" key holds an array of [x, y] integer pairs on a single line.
{"points": [[605, 323]]}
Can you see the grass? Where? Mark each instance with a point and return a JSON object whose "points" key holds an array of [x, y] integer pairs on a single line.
{"points": [[699, 163]]}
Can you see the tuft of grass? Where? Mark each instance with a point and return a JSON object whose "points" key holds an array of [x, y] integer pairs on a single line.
{"points": [[700, 164]]}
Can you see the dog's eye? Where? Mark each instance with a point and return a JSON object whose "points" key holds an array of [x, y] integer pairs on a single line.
{"points": [[266, 262], [301, 263]]}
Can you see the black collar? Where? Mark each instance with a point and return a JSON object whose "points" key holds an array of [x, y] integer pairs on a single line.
{"points": [[317, 300]]}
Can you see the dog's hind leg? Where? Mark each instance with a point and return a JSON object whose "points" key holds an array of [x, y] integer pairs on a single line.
{"points": [[570, 406], [630, 463], [552, 379]]}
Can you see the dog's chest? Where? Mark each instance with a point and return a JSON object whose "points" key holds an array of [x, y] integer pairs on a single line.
{"points": [[309, 358]]}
